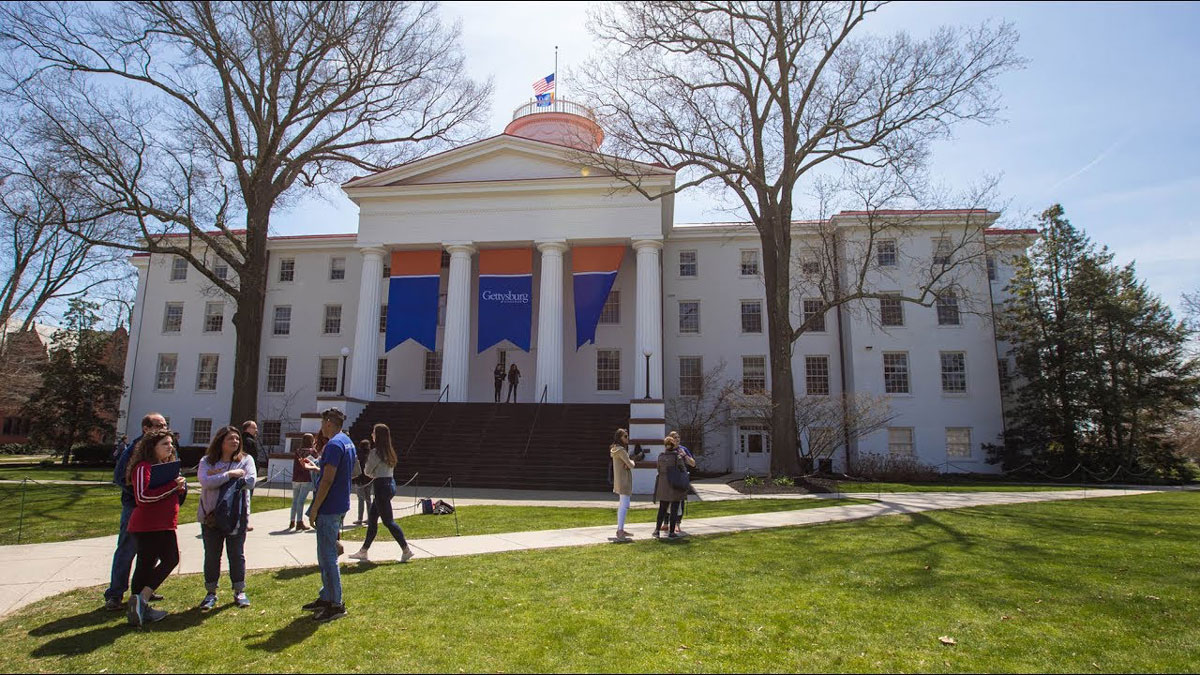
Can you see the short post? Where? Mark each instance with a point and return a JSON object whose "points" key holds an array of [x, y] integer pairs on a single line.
{"points": [[21, 515], [454, 506]]}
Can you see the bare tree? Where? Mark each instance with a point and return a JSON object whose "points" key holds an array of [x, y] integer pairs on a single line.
{"points": [[753, 98], [702, 407], [188, 117]]}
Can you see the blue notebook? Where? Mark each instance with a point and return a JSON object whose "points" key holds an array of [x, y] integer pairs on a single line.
{"points": [[161, 474]]}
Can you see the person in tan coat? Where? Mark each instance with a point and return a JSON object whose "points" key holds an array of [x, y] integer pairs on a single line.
{"points": [[669, 495], [622, 478]]}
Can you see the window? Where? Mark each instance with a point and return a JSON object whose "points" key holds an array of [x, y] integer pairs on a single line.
{"points": [[812, 308], [954, 372], [810, 266], [816, 375], [687, 264], [282, 325], [885, 253], [433, 371], [692, 437], [173, 317], [201, 431], [214, 317], [179, 268], [754, 374], [381, 376], [942, 250], [166, 372], [958, 441], [337, 268], [752, 316], [276, 374], [327, 375], [991, 267], [749, 265], [1005, 376], [383, 318], [947, 309], [900, 441], [206, 373], [387, 269], [220, 269], [691, 375], [689, 316], [895, 372], [822, 441], [608, 370], [502, 359], [287, 270], [272, 432], [445, 259], [891, 311], [333, 320], [611, 313], [17, 426]]}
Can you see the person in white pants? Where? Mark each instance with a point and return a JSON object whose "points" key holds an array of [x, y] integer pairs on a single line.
{"points": [[622, 478]]}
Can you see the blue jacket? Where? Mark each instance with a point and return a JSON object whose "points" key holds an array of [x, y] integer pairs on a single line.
{"points": [[119, 474]]}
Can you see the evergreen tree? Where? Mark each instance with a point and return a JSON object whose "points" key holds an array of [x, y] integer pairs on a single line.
{"points": [[79, 390]]}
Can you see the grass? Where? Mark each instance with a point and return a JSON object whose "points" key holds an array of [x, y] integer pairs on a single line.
{"points": [[67, 512], [56, 473], [949, 486], [494, 519], [1073, 586]]}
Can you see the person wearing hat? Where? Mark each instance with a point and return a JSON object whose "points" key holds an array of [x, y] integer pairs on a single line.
{"points": [[328, 512]]}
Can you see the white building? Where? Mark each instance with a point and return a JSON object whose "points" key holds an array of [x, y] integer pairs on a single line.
{"points": [[686, 295]]}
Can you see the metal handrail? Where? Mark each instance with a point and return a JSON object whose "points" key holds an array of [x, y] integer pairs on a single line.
{"points": [[532, 426], [444, 392], [559, 106]]}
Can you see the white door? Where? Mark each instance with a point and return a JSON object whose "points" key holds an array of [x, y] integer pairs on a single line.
{"points": [[753, 452]]}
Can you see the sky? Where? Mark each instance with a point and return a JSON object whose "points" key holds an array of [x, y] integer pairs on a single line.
{"points": [[1103, 119]]}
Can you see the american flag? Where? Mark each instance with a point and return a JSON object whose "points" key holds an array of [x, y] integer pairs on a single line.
{"points": [[544, 84]]}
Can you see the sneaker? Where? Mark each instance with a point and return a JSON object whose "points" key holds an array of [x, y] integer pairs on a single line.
{"points": [[406, 555], [673, 535], [152, 615], [300, 526], [155, 597], [361, 555], [330, 612], [113, 605], [316, 604], [134, 612], [291, 526], [655, 534], [208, 602], [241, 600]]}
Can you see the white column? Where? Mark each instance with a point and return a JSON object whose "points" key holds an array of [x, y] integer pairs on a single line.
{"points": [[456, 337], [550, 324], [132, 419], [648, 329], [365, 357]]}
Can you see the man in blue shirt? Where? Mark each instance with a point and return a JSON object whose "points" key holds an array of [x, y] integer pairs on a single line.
{"points": [[328, 511], [126, 547]]}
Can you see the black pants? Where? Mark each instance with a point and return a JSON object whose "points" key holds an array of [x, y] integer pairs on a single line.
{"points": [[157, 555], [499, 388], [512, 392], [668, 512], [381, 509]]}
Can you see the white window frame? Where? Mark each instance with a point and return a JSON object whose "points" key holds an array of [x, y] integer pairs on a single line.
{"points": [[882, 256], [804, 314], [289, 269], [167, 314], [946, 307], [943, 251], [616, 389], [698, 377], [327, 318], [956, 447], [211, 317], [160, 371], [179, 270], [275, 322], [431, 372], [272, 430], [276, 382], [893, 296], [906, 448], [745, 388], [383, 310], [810, 362], [907, 372], [335, 270], [992, 272], [322, 377], [948, 376], [220, 268], [695, 264], [742, 316], [202, 375], [198, 424], [610, 314], [749, 257], [680, 327], [381, 368]]}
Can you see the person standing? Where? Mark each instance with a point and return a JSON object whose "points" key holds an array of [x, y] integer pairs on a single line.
{"points": [[380, 467], [254, 450], [119, 446], [223, 462], [514, 378], [329, 511], [622, 467], [690, 460], [152, 523], [122, 562], [362, 483], [302, 482], [498, 378], [668, 495]]}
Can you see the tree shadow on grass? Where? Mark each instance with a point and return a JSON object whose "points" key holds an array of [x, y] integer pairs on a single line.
{"points": [[103, 637]]}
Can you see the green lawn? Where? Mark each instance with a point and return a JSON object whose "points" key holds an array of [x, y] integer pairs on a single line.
{"points": [[493, 519], [1075, 586], [949, 486], [66, 512], [56, 473]]}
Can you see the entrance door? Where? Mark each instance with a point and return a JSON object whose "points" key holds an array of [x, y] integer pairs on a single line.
{"points": [[753, 454]]}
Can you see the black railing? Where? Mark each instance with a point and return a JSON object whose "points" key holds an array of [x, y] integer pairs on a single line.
{"points": [[533, 425], [413, 444]]}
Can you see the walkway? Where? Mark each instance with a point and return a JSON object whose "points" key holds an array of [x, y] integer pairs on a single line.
{"points": [[36, 571]]}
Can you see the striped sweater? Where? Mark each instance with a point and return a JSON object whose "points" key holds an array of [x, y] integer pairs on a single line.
{"points": [[157, 508]]}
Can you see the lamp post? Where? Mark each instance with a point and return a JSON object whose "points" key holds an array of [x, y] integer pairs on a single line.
{"points": [[345, 353], [647, 352]]}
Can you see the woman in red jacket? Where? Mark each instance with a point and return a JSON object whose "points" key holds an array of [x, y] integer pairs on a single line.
{"points": [[153, 522]]}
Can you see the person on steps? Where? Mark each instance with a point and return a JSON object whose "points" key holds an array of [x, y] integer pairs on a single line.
{"points": [[514, 378], [498, 377]]}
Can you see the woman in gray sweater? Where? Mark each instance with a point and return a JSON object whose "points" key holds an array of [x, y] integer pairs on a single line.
{"points": [[380, 465], [224, 461]]}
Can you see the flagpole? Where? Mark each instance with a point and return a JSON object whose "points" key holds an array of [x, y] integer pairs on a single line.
{"points": [[555, 71]]}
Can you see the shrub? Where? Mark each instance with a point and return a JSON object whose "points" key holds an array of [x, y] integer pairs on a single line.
{"points": [[784, 481], [888, 468], [20, 449], [47, 464], [96, 453], [752, 481]]}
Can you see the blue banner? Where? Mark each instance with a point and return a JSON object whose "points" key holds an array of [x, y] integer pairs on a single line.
{"points": [[412, 311], [505, 310], [591, 292]]}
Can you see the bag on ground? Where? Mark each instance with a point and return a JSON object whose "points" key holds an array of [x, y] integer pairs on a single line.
{"points": [[441, 508]]}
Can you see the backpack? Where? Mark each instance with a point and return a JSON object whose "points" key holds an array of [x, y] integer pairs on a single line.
{"points": [[678, 477], [441, 508], [230, 513]]}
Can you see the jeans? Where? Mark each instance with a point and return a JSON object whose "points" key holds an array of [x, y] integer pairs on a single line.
{"points": [[235, 551], [512, 393], [122, 561], [668, 513], [329, 525], [381, 507], [157, 555], [622, 511], [300, 492]]}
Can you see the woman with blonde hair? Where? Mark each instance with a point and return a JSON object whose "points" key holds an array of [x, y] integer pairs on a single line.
{"points": [[622, 478], [669, 488], [380, 466], [225, 461], [153, 522]]}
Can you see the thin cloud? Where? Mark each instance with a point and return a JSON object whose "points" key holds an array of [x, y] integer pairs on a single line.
{"points": [[1099, 158]]}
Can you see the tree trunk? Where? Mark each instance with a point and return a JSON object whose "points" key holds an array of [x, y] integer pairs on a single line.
{"points": [[248, 319], [777, 255]]}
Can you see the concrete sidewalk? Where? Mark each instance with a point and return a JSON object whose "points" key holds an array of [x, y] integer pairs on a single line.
{"points": [[36, 571]]}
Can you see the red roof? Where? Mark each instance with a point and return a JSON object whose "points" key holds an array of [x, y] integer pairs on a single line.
{"points": [[914, 212], [1001, 230]]}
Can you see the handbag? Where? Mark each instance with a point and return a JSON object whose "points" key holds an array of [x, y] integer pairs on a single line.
{"points": [[678, 477]]}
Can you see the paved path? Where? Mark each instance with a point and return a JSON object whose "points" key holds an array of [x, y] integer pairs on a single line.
{"points": [[36, 571]]}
